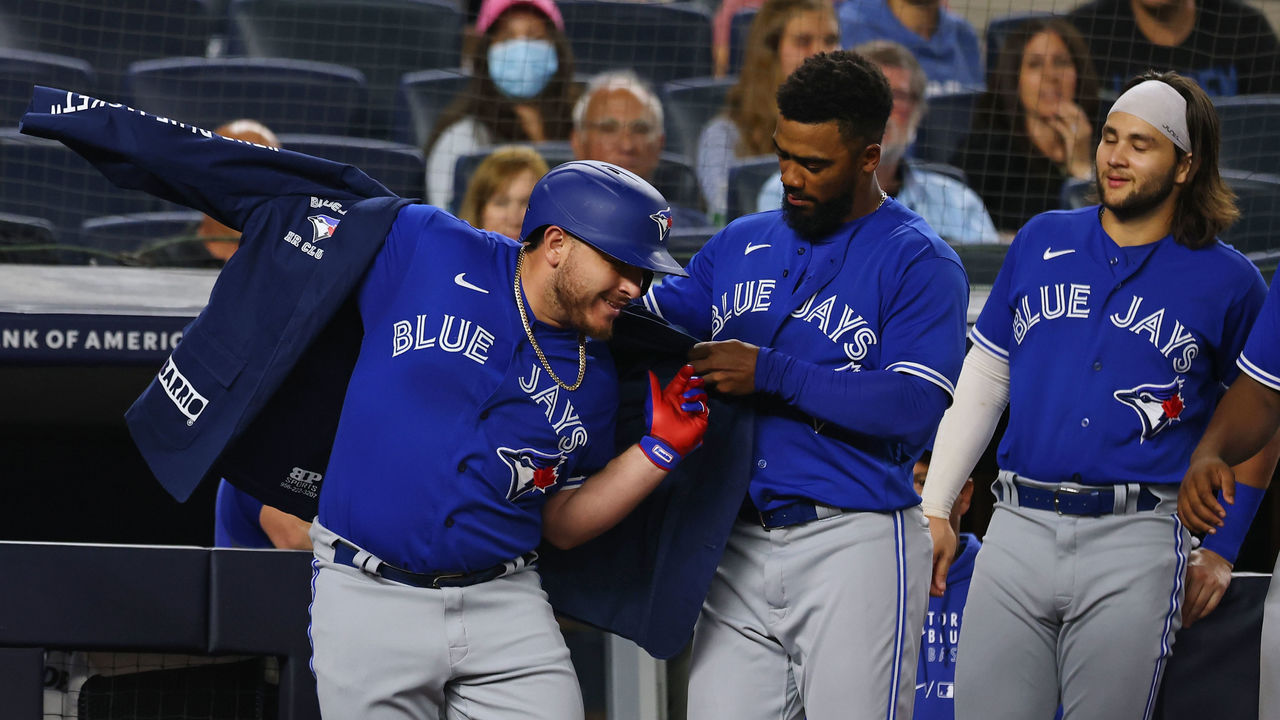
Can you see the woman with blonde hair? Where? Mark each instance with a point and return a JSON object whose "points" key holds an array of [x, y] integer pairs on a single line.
{"points": [[783, 34], [498, 192]]}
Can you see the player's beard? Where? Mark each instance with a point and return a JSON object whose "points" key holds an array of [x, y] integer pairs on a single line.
{"points": [[569, 291], [821, 218], [1142, 199]]}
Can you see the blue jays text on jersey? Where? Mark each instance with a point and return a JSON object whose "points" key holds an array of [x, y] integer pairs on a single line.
{"points": [[882, 293], [1157, 327], [936, 670], [275, 386], [452, 435]]}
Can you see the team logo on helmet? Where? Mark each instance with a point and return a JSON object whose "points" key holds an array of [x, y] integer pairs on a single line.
{"points": [[531, 470], [322, 227], [1158, 406], [663, 219]]}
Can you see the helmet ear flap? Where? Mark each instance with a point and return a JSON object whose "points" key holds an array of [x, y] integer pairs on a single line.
{"points": [[607, 207]]}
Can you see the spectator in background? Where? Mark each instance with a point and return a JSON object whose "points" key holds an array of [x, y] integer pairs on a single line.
{"points": [[783, 34], [1032, 129], [210, 244], [522, 89], [619, 120], [721, 32], [942, 41], [951, 208], [1227, 47], [936, 671], [498, 193]]}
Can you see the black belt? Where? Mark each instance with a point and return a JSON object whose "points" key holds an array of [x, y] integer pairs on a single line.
{"points": [[797, 513], [344, 553], [1088, 502]]}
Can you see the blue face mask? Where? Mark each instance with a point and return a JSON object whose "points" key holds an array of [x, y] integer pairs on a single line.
{"points": [[522, 67]]}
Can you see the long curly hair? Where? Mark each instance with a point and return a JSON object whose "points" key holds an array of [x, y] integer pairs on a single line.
{"points": [[751, 103]]}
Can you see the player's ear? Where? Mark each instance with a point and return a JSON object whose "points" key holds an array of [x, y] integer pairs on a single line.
{"points": [[869, 159], [556, 242]]}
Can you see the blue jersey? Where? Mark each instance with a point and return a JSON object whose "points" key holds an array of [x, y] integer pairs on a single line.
{"points": [[1261, 356], [452, 435], [936, 673], [883, 292], [1117, 355], [237, 519]]}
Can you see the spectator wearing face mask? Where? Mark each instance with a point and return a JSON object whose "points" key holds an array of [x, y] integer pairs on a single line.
{"points": [[521, 89]]}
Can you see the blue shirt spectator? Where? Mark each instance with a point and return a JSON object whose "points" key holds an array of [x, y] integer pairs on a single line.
{"points": [[945, 45]]}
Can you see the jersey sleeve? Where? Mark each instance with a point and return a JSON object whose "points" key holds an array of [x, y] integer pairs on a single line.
{"points": [[924, 327], [994, 327], [686, 301], [414, 226], [1260, 359]]}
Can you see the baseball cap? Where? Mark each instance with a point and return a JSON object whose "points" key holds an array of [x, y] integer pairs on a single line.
{"points": [[490, 10]]}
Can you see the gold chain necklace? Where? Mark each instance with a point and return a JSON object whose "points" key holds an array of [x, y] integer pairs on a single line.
{"points": [[528, 331]]}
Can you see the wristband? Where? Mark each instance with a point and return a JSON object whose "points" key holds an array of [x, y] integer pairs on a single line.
{"points": [[1228, 539], [659, 453]]}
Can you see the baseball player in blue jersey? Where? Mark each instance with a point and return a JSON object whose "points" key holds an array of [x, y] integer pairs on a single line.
{"points": [[1218, 501], [479, 419], [1109, 333], [841, 319], [936, 670]]}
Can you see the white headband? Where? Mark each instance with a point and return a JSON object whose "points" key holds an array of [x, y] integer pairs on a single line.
{"points": [[1160, 106]]}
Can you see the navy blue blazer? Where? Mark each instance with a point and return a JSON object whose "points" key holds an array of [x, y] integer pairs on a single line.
{"points": [[254, 390]]}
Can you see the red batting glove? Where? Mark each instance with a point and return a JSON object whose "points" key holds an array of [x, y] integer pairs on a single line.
{"points": [[676, 416]]}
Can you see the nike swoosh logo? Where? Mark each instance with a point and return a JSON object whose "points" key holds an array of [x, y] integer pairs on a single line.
{"points": [[1050, 253], [460, 279], [752, 248]]}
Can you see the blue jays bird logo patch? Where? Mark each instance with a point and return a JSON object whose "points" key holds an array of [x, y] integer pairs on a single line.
{"points": [[663, 219], [531, 471], [322, 227], [1158, 406]]}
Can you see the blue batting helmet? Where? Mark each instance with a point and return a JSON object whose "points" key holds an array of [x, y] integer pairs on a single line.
{"points": [[611, 209]]}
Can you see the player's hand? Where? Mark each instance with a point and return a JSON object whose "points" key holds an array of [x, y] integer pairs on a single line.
{"points": [[944, 551], [676, 417], [727, 366], [1208, 575], [1198, 505]]}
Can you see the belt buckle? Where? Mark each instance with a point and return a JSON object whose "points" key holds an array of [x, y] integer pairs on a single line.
{"points": [[435, 581], [1069, 491]]}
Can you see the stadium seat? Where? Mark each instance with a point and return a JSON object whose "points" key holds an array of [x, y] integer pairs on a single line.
{"points": [[981, 261], [108, 34], [1258, 197], [999, 28], [1076, 193], [21, 70], [28, 240], [684, 242], [384, 39], [422, 97], [113, 236], [689, 105], [1250, 132], [746, 177], [399, 167], [660, 42], [288, 96], [44, 179], [944, 126], [674, 176], [739, 29]]}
